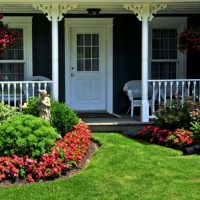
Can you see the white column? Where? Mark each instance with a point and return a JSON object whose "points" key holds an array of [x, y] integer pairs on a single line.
{"points": [[55, 72], [145, 13], [55, 13], [145, 42]]}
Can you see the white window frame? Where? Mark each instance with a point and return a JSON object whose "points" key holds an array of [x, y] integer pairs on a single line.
{"points": [[178, 23], [24, 23]]}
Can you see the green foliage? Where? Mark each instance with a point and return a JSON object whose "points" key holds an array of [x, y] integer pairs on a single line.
{"points": [[62, 118], [26, 135], [195, 128], [32, 106], [175, 115], [6, 112]]}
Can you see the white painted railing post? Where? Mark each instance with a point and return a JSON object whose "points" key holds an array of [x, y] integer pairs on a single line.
{"points": [[145, 13]]}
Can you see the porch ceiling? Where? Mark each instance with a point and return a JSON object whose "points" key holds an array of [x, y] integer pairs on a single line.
{"points": [[108, 7]]}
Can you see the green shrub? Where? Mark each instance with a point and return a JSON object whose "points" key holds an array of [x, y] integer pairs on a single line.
{"points": [[62, 118], [6, 112], [175, 115], [32, 106], [26, 135]]}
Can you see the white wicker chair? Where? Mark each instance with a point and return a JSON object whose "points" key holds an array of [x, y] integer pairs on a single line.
{"points": [[133, 90]]}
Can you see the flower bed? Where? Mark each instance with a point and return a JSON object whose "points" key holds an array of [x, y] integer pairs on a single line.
{"points": [[178, 138], [65, 155]]}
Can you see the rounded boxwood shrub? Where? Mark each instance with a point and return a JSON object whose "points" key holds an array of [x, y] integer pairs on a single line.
{"points": [[26, 135], [63, 118]]}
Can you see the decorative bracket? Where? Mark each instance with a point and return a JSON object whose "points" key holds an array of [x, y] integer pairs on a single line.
{"points": [[145, 10], [54, 9]]}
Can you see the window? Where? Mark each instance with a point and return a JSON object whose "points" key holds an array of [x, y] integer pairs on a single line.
{"points": [[87, 52], [16, 62], [166, 62]]}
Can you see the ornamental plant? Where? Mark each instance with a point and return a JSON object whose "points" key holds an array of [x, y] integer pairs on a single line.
{"points": [[8, 36], [63, 118], [179, 138], [189, 40], [6, 112], [66, 154], [26, 135]]}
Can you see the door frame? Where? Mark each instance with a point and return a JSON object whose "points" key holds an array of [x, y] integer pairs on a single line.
{"points": [[107, 24]]}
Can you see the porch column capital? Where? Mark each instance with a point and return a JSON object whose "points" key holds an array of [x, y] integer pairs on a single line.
{"points": [[145, 10], [55, 9]]}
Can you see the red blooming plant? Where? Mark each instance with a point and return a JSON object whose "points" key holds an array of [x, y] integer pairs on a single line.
{"points": [[179, 138], [8, 36], [189, 40], [67, 154]]}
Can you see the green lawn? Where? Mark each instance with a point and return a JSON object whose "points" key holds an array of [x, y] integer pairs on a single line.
{"points": [[122, 169]]}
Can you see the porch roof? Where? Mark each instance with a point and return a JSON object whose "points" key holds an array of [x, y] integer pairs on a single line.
{"points": [[106, 6]]}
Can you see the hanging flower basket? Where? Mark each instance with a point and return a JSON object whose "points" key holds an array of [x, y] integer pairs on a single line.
{"points": [[8, 36], [189, 40]]}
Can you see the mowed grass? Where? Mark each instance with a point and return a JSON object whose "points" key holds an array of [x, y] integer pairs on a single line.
{"points": [[122, 169]]}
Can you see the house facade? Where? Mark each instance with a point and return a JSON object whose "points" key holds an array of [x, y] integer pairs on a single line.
{"points": [[89, 57]]}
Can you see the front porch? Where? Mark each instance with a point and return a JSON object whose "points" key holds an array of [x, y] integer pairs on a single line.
{"points": [[126, 51]]}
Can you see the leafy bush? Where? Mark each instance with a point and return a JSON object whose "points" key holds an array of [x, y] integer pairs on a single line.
{"points": [[26, 135], [175, 115], [32, 106], [66, 154], [6, 112], [62, 118], [177, 138]]}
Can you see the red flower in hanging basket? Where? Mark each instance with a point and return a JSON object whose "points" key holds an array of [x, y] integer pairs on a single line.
{"points": [[8, 36], [189, 40]]}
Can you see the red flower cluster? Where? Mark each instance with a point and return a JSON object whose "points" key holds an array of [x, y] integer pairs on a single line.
{"points": [[178, 138], [8, 36], [189, 40], [65, 155]]}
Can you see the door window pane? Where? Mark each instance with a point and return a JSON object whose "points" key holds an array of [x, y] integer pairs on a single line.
{"points": [[87, 52]]}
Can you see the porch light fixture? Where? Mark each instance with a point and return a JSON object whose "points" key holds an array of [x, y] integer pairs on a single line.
{"points": [[93, 11]]}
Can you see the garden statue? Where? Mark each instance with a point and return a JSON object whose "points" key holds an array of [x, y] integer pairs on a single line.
{"points": [[44, 105]]}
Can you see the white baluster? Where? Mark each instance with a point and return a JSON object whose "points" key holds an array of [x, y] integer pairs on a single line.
{"points": [[9, 94], [171, 86], [153, 99], [159, 95], [165, 92], [194, 90], [20, 88], [14, 94], [33, 89], [183, 89], [27, 94]]}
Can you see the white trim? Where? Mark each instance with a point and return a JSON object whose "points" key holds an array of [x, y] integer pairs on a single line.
{"points": [[26, 24], [180, 23], [96, 23]]}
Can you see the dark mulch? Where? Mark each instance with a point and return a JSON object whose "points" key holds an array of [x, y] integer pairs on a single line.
{"points": [[91, 149]]}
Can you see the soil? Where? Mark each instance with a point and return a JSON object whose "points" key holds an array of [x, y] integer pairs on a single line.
{"points": [[91, 149]]}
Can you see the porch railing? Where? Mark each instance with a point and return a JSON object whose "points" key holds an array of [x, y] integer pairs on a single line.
{"points": [[164, 91], [17, 92]]}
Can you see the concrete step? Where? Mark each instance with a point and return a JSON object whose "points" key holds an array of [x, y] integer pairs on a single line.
{"points": [[120, 124]]}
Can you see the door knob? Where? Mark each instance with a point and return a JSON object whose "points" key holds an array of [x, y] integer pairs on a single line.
{"points": [[72, 74]]}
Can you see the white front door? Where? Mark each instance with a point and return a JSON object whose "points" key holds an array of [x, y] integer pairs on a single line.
{"points": [[88, 69]]}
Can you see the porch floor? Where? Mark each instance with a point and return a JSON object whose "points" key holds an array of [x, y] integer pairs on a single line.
{"points": [[115, 124]]}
